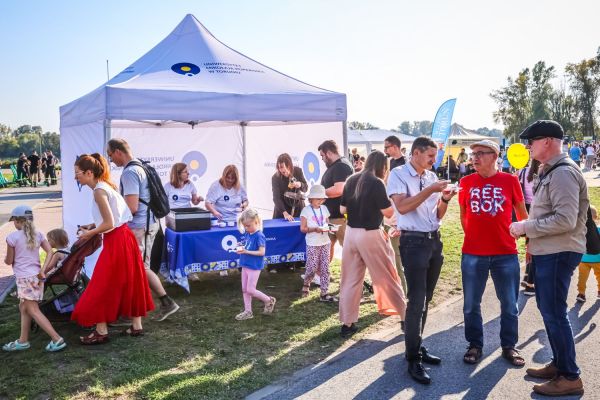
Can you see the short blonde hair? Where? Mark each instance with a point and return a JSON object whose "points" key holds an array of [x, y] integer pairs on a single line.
{"points": [[249, 214], [231, 170]]}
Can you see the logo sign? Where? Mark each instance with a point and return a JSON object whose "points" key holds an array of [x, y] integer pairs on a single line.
{"points": [[311, 168], [196, 163], [229, 243], [187, 69]]}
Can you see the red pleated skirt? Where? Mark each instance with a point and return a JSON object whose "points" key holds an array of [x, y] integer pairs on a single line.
{"points": [[119, 286]]}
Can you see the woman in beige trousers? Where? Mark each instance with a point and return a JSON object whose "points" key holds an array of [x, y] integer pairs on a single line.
{"points": [[366, 245]]}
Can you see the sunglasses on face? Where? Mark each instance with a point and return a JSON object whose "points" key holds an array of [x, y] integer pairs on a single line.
{"points": [[530, 141]]}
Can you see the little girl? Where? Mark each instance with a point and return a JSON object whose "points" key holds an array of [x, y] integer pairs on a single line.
{"points": [[252, 261], [59, 240], [588, 262], [314, 220], [23, 253]]}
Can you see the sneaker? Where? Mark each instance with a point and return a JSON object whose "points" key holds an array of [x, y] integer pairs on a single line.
{"points": [[529, 291], [316, 280], [56, 346], [122, 321], [270, 306], [244, 315], [599, 294], [224, 273], [193, 277], [580, 298], [347, 331], [166, 310]]}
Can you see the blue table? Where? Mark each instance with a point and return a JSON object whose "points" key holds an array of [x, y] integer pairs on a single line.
{"points": [[214, 249]]}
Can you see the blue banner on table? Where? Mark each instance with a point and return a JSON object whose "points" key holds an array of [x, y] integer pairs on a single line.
{"points": [[442, 125], [214, 249]]}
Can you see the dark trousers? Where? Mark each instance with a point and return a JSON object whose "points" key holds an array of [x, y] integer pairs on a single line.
{"points": [[422, 259], [553, 274], [50, 175]]}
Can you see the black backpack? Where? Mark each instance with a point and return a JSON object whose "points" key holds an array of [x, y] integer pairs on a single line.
{"points": [[159, 202], [592, 236]]}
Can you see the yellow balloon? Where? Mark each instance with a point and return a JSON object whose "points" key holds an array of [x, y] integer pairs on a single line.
{"points": [[518, 155]]}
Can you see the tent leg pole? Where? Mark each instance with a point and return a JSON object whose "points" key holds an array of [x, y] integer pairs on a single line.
{"points": [[244, 161], [107, 135], [345, 136]]}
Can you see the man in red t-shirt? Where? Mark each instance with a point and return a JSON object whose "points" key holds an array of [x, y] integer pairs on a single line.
{"points": [[486, 201]]}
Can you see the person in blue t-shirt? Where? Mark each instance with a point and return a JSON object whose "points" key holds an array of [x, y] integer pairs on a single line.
{"points": [[252, 260], [575, 153]]}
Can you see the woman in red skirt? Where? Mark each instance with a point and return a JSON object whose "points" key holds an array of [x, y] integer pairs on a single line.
{"points": [[119, 286]]}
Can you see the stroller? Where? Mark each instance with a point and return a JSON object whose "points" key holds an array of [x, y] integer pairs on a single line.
{"points": [[67, 282]]}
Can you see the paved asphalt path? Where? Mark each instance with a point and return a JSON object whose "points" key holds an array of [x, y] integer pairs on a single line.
{"points": [[374, 367], [14, 196]]}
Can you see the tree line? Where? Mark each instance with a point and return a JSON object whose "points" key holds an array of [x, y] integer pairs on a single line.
{"points": [[536, 94], [418, 128], [26, 139]]}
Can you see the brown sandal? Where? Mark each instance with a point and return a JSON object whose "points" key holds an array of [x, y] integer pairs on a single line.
{"points": [[473, 355], [305, 291], [132, 332], [94, 338], [513, 356]]}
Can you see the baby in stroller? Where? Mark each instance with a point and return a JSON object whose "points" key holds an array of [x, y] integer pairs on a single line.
{"points": [[58, 240]]}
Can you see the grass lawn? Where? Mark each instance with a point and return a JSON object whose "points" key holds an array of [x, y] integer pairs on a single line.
{"points": [[201, 352]]}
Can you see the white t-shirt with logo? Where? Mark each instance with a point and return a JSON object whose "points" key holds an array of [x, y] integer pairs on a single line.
{"points": [[180, 197], [316, 217]]}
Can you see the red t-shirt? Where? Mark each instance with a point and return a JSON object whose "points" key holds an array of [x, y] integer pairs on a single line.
{"points": [[488, 203]]}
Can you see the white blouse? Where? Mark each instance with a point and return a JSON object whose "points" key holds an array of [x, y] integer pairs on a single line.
{"points": [[118, 207]]}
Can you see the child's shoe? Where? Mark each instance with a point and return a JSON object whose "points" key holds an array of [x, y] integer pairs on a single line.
{"points": [[244, 315], [56, 346], [580, 298], [16, 346], [270, 306], [223, 273]]}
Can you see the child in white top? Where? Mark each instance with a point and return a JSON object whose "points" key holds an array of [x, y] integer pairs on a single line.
{"points": [[22, 253], [314, 221], [59, 240]]}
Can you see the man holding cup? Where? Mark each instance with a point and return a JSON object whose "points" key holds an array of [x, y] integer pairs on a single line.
{"points": [[420, 200]]}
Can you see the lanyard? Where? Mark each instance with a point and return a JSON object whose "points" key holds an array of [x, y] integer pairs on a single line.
{"points": [[319, 221]]}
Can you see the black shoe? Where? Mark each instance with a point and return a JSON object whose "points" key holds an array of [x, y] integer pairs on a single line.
{"points": [[402, 327], [429, 358], [348, 331], [418, 373]]}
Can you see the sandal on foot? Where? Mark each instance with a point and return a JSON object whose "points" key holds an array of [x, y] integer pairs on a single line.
{"points": [[56, 346], [16, 346], [94, 338], [473, 355], [327, 298], [305, 291], [132, 332], [513, 356]]}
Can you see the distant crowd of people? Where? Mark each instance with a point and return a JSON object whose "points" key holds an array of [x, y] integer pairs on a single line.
{"points": [[35, 169]]}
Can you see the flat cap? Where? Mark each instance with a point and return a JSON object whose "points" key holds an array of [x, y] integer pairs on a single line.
{"points": [[543, 128]]}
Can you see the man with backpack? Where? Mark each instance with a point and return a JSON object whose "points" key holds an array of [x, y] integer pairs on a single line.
{"points": [[137, 187], [556, 229]]}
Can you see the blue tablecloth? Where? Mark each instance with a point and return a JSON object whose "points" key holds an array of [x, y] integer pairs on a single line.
{"points": [[214, 249]]}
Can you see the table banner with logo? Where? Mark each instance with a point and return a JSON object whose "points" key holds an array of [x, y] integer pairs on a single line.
{"points": [[214, 249]]}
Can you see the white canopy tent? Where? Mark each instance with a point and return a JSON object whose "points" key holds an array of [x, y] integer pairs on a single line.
{"points": [[465, 137], [193, 99], [374, 138]]}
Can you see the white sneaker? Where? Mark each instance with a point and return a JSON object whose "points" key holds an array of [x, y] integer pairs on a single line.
{"points": [[317, 280], [193, 276], [244, 315], [224, 273]]}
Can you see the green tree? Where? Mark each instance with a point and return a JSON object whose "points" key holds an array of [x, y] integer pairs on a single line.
{"points": [[564, 111], [361, 125], [404, 128], [584, 80]]}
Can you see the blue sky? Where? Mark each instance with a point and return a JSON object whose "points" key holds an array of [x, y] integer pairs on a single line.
{"points": [[396, 60]]}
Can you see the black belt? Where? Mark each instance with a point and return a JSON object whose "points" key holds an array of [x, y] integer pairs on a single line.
{"points": [[426, 235]]}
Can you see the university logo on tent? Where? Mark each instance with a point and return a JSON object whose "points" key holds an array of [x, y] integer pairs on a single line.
{"points": [[196, 163], [311, 168], [187, 69]]}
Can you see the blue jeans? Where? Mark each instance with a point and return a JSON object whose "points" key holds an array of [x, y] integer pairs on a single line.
{"points": [[553, 274], [505, 275]]}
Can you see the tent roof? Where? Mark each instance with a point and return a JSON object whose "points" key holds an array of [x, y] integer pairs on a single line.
{"points": [[192, 76], [459, 132], [358, 136]]}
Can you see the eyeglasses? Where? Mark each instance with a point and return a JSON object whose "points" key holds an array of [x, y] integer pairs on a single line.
{"points": [[480, 154], [530, 141]]}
